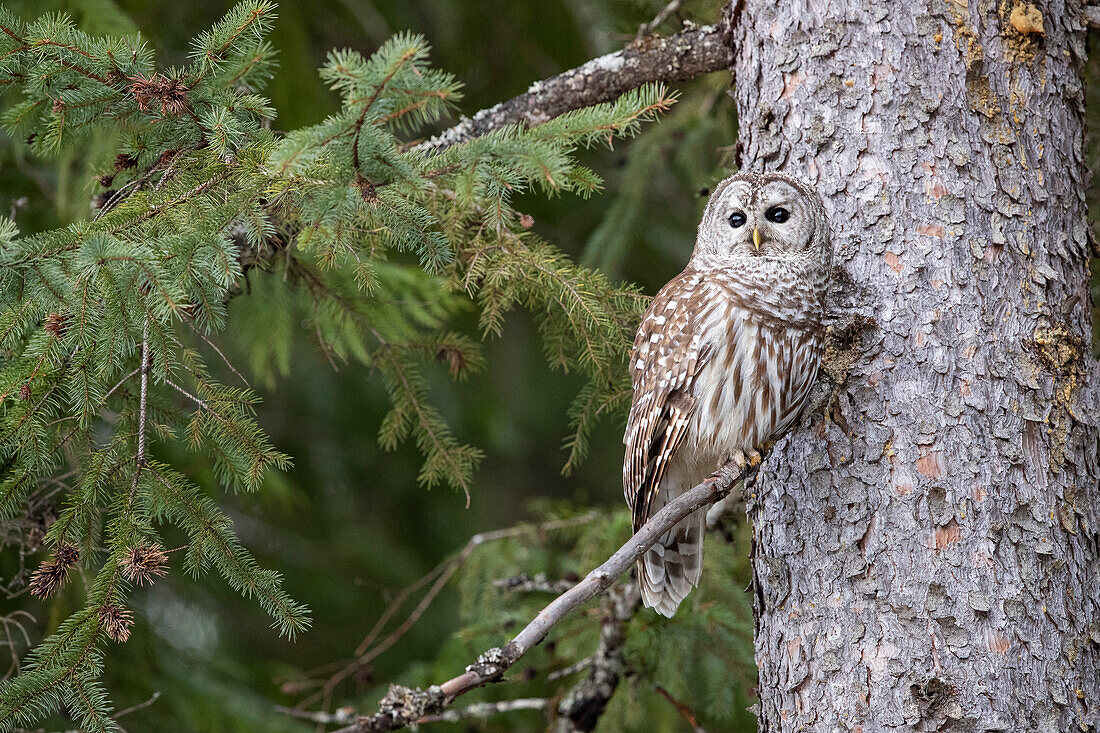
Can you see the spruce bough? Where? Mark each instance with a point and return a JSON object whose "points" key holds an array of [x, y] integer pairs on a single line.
{"points": [[106, 325]]}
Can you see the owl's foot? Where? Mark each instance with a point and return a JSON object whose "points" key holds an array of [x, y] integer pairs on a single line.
{"points": [[739, 460], [743, 459]]}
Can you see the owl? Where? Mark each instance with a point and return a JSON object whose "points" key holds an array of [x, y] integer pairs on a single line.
{"points": [[724, 359]]}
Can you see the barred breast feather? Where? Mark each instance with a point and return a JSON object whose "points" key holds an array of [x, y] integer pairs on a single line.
{"points": [[719, 365]]}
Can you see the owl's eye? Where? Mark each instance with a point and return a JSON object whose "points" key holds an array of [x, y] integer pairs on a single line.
{"points": [[738, 219], [777, 214]]}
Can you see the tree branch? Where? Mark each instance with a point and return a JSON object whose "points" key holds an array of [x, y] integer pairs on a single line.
{"points": [[485, 709], [581, 708], [646, 28], [524, 583], [682, 709], [368, 650], [693, 51], [145, 364], [402, 705]]}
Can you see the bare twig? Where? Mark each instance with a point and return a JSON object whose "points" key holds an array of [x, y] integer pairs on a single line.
{"points": [[8, 622], [120, 382], [685, 55], [646, 28], [121, 194], [682, 709], [403, 705], [140, 706], [340, 717], [570, 670], [524, 583], [485, 709], [145, 364], [197, 400], [212, 345]]}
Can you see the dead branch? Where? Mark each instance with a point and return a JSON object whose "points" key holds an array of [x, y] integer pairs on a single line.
{"points": [[694, 51], [485, 709], [524, 583], [402, 705], [581, 708]]}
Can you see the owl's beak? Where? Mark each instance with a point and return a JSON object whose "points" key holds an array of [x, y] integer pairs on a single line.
{"points": [[756, 237]]}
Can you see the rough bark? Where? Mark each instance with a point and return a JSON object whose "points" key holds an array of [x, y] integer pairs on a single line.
{"points": [[926, 558]]}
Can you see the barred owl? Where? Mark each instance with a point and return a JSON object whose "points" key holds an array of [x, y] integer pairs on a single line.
{"points": [[724, 359]]}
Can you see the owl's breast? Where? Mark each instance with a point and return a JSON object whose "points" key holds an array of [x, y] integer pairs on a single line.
{"points": [[754, 384]]}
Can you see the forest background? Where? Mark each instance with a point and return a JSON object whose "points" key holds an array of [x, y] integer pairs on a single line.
{"points": [[349, 525]]}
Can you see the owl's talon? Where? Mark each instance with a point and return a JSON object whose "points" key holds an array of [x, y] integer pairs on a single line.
{"points": [[739, 460], [755, 458]]}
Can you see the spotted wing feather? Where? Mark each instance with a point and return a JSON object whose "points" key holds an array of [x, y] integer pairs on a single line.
{"points": [[669, 351]]}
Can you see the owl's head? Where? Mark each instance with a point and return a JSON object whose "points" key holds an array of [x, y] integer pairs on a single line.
{"points": [[768, 216]]}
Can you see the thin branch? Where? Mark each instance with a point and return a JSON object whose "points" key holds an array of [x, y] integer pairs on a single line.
{"points": [[572, 669], [682, 709], [198, 401], [212, 345], [121, 194], [139, 706], [402, 705], [524, 583], [685, 55], [145, 364], [646, 28], [121, 382], [340, 717], [485, 709]]}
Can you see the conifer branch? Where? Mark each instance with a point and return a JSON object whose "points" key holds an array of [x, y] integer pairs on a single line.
{"points": [[145, 364], [196, 206], [402, 705], [690, 53]]}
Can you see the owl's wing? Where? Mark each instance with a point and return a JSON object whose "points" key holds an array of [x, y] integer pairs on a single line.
{"points": [[668, 352]]}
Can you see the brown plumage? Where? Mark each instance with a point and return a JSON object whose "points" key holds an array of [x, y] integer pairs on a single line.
{"points": [[724, 359]]}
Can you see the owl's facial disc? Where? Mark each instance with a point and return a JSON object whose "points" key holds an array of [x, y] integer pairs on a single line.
{"points": [[761, 216], [761, 221]]}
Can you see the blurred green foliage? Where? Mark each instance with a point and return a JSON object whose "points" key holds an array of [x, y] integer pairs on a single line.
{"points": [[348, 525]]}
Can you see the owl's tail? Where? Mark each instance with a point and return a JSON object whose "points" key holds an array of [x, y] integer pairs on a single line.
{"points": [[671, 568]]}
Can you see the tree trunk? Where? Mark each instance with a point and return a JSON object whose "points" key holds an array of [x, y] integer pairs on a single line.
{"points": [[926, 558]]}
